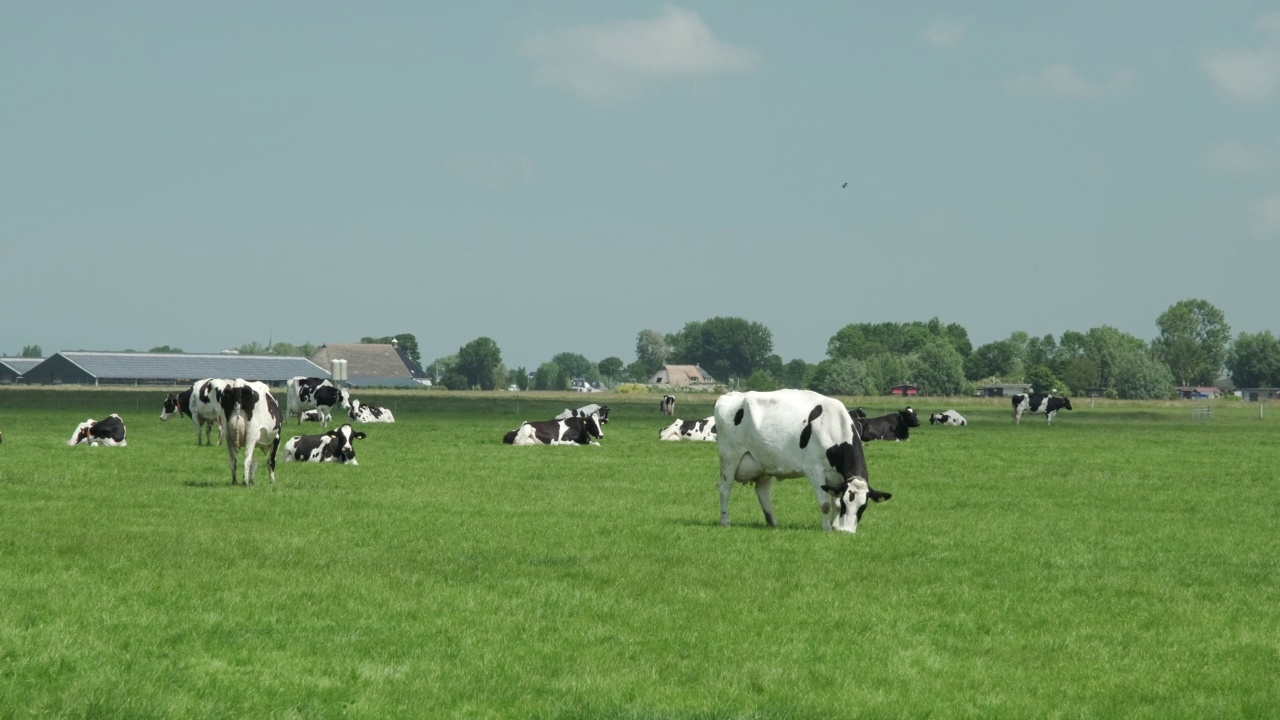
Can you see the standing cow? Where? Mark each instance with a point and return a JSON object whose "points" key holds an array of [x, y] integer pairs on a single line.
{"points": [[197, 403], [251, 419], [311, 393], [788, 434], [108, 431], [1038, 403], [668, 405]]}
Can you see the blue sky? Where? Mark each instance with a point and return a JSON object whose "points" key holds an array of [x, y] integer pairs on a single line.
{"points": [[561, 175]]}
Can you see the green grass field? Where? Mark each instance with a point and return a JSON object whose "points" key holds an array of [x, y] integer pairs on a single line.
{"points": [[1121, 563]]}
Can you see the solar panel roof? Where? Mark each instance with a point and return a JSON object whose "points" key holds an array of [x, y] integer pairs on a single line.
{"points": [[164, 366]]}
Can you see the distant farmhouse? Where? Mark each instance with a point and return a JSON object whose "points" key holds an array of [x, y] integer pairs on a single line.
{"points": [[373, 365], [1192, 392], [682, 376], [13, 368], [110, 368], [1004, 390]]}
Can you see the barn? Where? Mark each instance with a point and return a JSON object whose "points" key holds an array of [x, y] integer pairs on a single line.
{"points": [[682, 376], [373, 364], [12, 369], [1004, 390], [905, 390], [115, 368]]}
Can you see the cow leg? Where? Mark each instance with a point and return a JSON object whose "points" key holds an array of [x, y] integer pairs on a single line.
{"points": [[726, 487], [1049, 417], [826, 504], [219, 421], [764, 488], [250, 464], [271, 459], [231, 454]]}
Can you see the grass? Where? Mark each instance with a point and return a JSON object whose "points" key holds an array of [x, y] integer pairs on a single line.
{"points": [[1122, 562]]}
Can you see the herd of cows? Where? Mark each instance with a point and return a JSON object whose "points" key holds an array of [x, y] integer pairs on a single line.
{"points": [[761, 436]]}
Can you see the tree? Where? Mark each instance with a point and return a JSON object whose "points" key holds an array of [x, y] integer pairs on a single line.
{"points": [[860, 341], [610, 368], [1000, 359], [1193, 341], [574, 364], [1254, 360], [454, 380], [1139, 376], [1040, 351], [550, 376], [1079, 374], [408, 344], [1107, 347], [32, 351], [166, 349], [844, 376], [518, 377], [651, 351], [886, 370], [1043, 380], [795, 374], [441, 366], [726, 346], [762, 381], [252, 348], [939, 369], [477, 360]]}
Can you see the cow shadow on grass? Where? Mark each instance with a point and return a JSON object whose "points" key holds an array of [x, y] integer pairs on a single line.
{"points": [[739, 525]]}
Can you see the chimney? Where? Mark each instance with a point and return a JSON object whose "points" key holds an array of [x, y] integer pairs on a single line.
{"points": [[395, 343]]}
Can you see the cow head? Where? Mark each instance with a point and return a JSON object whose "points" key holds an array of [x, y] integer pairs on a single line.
{"points": [[937, 418], [909, 417], [851, 498], [858, 412], [170, 407], [340, 443], [1066, 403], [82, 432], [672, 431], [604, 414], [591, 424]]}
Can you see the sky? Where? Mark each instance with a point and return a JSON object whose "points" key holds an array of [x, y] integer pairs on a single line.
{"points": [[561, 175]]}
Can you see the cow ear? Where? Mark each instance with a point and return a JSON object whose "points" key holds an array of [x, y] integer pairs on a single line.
{"points": [[876, 496], [836, 490], [358, 436]]}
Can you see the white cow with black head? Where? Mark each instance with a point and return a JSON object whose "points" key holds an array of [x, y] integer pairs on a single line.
{"points": [[360, 412], [251, 419], [793, 433], [948, 417], [333, 446]]}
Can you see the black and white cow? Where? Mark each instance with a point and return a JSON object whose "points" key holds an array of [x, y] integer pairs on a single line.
{"points": [[569, 431], [251, 419], [704, 429], [311, 416], [310, 393], [108, 431], [782, 434], [333, 446], [360, 412], [197, 404], [1038, 403], [896, 426], [585, 410], [948, 417], [668, 405]]}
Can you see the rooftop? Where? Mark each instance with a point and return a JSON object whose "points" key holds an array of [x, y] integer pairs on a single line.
{"points": [[175, 366]]}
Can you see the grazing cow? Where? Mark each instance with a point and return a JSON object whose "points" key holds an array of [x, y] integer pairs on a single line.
{"points": [[569, 431], [360, 412], [109, 431], [895, 426], [1038, 403], [949, 417], [704, 429], [668, 405], [197, 404], [782, 434], [319, 394], [585, 410], [251, 418], [333, 446]]}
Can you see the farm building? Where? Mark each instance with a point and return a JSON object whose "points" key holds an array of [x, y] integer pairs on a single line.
{"points": [[13, 368], [1004, 389], [373, 365], [1259, 394], [905, 390], [108, 368], [1189, 392], [681, 376]]}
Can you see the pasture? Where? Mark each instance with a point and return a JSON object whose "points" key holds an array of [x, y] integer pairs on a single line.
{"points": [[1123, 562]]}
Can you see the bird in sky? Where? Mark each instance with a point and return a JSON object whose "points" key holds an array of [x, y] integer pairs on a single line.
{"points": [[845, 185]]}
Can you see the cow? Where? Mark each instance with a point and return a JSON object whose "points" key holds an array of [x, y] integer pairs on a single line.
{"points": [[251, 419], [311, 416], [782, 434], [585, 410], [704, 429], [360, 412], [196, 403], [333, 446], [948, 417], [311, 393], [569, 431], [895, 426], [668, 405], [109, 431], [1038, 403]]}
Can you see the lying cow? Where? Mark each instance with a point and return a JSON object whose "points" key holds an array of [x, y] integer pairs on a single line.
{"points": [[949, 417], [360, 412], [1038, 403], [196, 403], [668, 405], [793, 433], [895, 426], [333, 446], [585, 410], [311, 416], [109, 432], [569, 431], [319, 394], [251, 419], [704, 429]]}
